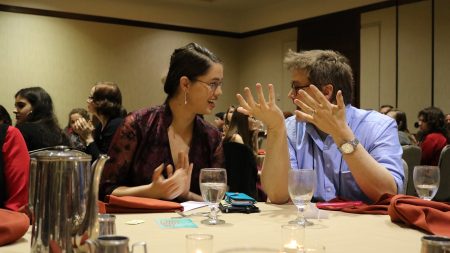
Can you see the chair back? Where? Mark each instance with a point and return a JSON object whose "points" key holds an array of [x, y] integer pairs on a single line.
{"points": [[411, 155], [405, 182], [443, 193], [242, 174]]}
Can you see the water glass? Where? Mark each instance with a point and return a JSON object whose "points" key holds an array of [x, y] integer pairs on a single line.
{"points": [[292, 238], [213, 185], [426, 181], [107, 224], [199, 243], [301, 186]]}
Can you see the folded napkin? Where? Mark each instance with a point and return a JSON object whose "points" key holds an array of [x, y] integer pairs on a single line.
{"points": [[431, 216], [13, 225], [379, 207], [129, 204]]}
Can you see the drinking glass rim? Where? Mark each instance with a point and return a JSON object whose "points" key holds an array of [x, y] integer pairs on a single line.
{"points": [[199, 236], [212, 169]]}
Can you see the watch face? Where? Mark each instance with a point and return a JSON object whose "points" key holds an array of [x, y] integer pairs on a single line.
{"points": [[347, 148]]}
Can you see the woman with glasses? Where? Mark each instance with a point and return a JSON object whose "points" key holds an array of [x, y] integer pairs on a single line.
{"points": [[105, 104], [158, 152], [36, 119]]}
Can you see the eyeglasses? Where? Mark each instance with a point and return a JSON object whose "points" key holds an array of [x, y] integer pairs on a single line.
{"points": [[298, 88], [212, 86]]}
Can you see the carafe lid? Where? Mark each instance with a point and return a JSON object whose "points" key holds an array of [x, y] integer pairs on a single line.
{"points": [[59, 153]]}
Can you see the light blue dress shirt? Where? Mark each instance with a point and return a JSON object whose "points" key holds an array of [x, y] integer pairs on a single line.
{"points": [[376, 132]]}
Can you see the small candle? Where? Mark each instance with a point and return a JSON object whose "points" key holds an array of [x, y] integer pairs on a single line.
{"points": [[199, 243], [291, 247]]}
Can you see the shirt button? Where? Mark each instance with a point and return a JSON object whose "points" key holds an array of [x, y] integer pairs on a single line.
{"points": [[328, 165], [328, 189]]}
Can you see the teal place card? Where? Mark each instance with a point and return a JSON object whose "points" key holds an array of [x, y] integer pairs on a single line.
{"points": [[176, 223]]}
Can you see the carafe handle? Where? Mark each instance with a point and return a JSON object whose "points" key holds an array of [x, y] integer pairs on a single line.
{"points": [[91, 244]]}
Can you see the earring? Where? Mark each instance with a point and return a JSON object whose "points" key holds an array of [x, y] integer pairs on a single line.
{"points": [[185, 98]]}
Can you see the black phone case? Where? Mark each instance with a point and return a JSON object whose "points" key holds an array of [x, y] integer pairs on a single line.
{"points": [[225, 208]]}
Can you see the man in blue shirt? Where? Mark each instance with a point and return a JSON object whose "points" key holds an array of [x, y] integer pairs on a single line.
{"points": [[355, 153]]}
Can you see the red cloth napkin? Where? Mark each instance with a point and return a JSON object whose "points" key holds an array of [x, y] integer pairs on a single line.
{"points": [[431, 216], [129, 204], [13, 225]]}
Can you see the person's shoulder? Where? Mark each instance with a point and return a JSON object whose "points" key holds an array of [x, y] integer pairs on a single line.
{"points": [[12, 131], [143, 114], [28, 128], [370, 116], [237, 138], [437, 136], [208, 128]]}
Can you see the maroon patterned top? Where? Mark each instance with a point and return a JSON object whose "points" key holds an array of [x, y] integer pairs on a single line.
{"points": [[141, 144]]}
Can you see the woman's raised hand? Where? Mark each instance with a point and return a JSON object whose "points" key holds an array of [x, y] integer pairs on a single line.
{"points": [[266, 111]]}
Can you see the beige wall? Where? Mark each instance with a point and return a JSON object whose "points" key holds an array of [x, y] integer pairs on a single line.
{"points": [[442, 55], [261, 60], [414, 58], [67, 56]]}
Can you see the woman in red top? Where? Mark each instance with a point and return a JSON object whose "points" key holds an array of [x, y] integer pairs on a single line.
{"points": [[433, 133], [14, 167]]}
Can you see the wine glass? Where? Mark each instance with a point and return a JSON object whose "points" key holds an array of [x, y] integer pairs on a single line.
{"points": [[426, 181], [213, 185], [301, 185]]}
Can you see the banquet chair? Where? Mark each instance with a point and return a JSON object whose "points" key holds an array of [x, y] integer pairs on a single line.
{"points": [[242, 173], [443, 193], [411, 155], [405, 181]]}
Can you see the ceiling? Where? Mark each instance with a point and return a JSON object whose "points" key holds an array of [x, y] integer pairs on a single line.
{"points": [[227, 5], [220, 15]]}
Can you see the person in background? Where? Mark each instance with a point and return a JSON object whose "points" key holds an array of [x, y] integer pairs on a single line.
{"points": [[355, 153], [404, 136], [219, 121], [74, 115], [287, 114], [14, 165], [4, 116], [105, 104], [384, 109], [447, 122], [158, 152], [240, 147], [36, 119], [433, 134], [227, 118]]}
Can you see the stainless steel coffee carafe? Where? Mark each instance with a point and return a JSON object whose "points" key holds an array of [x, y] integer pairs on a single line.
{"points": [[63, 199]]}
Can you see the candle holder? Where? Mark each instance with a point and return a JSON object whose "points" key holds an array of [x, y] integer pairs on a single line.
{"points": [[199, 243], [292, 238]]}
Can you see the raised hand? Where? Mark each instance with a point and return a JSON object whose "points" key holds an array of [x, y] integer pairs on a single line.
{"points": [[316, 109], [267, 111], [178, 180], [165, 188], [84, 129], [183, 172]]}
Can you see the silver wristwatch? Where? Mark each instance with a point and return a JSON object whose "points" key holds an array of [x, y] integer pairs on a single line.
{"points": [[349, 146]]}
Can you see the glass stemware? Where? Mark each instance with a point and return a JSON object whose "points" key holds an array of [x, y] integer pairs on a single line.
{"points": [[426, 181], [301, 185], [213, 185]]}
